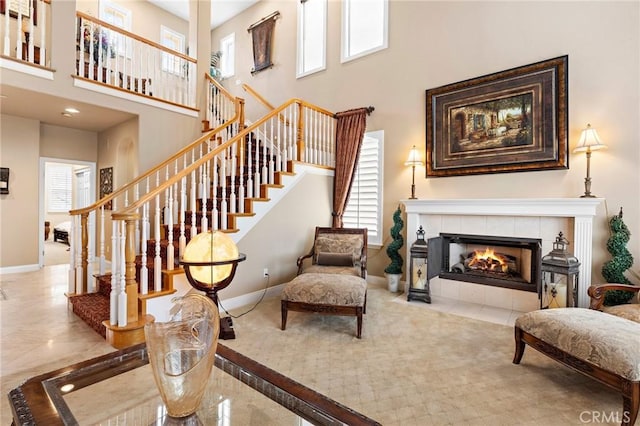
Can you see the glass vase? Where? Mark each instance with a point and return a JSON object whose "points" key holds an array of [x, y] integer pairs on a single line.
{"points": [[182, 351]]}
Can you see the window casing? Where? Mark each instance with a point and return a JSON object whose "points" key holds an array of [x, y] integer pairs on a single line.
{"points": [[364, 208], [312, 37], [365, 25], [120, 17], [174, 41], [228, 57]]}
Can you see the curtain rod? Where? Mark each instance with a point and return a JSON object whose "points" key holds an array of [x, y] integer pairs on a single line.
{"points": [[272, 15], [368, 109]]}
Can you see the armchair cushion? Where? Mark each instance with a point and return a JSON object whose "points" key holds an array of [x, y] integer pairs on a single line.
{"points": [[340, 290], [335, 259], [630, 311], [339, 244]]}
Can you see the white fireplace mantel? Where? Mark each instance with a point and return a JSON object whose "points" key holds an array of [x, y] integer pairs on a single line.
{"points": [[581, 210]]}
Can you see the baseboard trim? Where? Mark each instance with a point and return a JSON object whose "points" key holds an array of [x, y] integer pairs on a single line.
{"points": [[19, 269]]}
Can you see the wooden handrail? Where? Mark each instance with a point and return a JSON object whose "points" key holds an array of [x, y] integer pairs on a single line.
{"points": [[135, 36], [257, 95], [238, 137], [207, 136]]}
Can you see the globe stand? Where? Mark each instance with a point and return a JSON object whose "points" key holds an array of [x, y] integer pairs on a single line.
{"points": [[211, 289]]}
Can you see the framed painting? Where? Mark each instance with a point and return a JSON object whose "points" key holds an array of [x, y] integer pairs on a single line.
{"points": [[106, 185], [510, 121]]}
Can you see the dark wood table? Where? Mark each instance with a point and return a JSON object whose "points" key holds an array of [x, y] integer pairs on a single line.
{"points": [[119, 388]]}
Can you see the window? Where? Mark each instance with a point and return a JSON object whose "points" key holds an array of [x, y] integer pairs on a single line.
{"points": [[365, 200], [312, 36], [364, 27], [59, 190], [228, 57], [174, 41], [120, 17]]}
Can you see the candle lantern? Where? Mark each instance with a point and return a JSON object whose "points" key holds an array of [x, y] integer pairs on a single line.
{"points": [[560, 272], [418, 281]]}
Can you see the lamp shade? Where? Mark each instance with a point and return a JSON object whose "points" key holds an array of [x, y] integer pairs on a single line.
{"points": [[414, 158], [589, 140], [211, 247]]}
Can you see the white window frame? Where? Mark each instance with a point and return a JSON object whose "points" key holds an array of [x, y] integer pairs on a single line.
{"points": [[348, 27], [108, 12], [59, 187], [308, 38], [228, 56], [173, 40], [370, 189]]}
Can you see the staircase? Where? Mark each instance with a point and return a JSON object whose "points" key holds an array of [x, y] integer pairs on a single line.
{"points": [[213, 183]]}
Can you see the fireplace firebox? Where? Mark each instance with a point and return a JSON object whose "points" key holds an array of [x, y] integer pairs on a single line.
{"points": [[509, 262]]}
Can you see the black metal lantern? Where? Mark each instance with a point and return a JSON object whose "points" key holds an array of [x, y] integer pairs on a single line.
{"points": [[560, 272], [418, 282]]}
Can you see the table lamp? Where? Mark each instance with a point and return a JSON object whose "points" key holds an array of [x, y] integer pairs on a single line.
{"points": [[589, 141], [413, 161], [210, 261]]}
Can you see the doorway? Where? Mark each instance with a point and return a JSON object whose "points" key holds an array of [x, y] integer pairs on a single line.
{"points": [[64, 185]]}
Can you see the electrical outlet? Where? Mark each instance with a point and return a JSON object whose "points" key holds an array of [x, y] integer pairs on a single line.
{"points": [[265, 272]]}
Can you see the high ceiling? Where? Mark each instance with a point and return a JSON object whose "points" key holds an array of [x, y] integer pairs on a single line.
{"points": [[48, 109], [221, 10]]}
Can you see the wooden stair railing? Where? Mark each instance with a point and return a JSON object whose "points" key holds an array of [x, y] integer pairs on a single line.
{"points": [[210, 192]]}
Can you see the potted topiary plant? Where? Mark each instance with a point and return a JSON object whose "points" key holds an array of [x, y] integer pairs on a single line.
{"points": [[393, 272], [621, 260]]}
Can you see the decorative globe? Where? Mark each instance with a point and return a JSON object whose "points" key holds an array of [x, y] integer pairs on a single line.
{"points": [[210, 246]]}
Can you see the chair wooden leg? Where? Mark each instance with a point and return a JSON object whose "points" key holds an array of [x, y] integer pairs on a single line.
{"points": [[517, 357], [359, 315], [283, 309]]}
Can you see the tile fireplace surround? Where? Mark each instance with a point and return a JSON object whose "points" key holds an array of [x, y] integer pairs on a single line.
{"points": [[541, 218]]}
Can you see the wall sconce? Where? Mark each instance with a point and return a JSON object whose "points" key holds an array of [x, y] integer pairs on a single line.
{"points": [[589, 141], [413, 161]]}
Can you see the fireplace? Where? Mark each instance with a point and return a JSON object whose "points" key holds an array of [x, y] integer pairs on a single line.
{"points": [[508, 262]]}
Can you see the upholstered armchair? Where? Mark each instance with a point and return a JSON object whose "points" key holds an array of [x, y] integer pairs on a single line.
{"points": [[630, 311], [331, 277], [336, 251]]}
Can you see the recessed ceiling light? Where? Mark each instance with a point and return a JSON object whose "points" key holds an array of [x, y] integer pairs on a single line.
{"points": [[3, 96], [71, 110], [66, 114]]}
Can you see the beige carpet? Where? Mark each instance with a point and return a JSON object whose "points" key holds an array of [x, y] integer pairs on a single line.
{"points": [[415, 366], [55, 253]]}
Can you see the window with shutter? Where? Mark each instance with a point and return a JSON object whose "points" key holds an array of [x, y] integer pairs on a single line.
{"points": [[365, 200], [59, 190]]}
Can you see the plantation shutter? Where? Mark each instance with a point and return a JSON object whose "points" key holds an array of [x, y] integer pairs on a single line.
{"points": [[363, 207], [60, 192]]}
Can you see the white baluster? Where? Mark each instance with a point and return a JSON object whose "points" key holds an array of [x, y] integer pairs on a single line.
{"points": [[182, 240], [144, 271], [157, 260], [168, 218]]}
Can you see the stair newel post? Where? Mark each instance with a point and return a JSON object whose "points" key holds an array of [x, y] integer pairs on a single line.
{"points": [[128, 311], [75, 248], [122, 288], [299, 134], [91, 232]]}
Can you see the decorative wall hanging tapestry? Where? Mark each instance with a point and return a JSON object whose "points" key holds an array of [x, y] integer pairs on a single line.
{"points": [[511, 121], [262, 35]]}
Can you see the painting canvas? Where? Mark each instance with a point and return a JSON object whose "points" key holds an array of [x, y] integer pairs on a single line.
{"points": [[514, 120]]}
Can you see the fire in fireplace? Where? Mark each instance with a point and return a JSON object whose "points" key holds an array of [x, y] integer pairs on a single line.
{"points": [[510, 262]]}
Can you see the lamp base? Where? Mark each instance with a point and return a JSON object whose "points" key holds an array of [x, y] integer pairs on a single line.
{"points": [[226, 329], [588, 196]]}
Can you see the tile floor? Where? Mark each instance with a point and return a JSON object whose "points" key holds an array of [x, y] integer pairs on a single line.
{"points": [[416, 364]]}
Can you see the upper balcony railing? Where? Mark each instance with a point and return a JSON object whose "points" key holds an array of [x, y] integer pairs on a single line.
{"points": [[23, 29], [111, 56]]}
